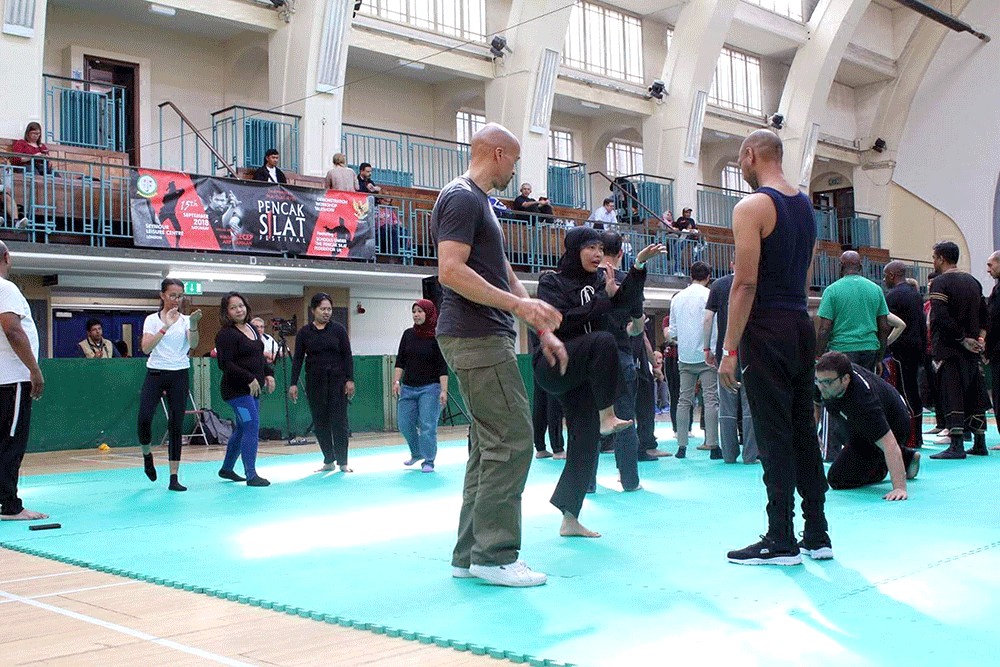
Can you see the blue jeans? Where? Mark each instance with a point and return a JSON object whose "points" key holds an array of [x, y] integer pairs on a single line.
{"points": [[243, 441], [417, 415], [627, 441]]}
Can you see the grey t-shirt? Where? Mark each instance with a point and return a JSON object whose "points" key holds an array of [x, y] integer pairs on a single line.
{"points": [[718, 303], [463, 213]]}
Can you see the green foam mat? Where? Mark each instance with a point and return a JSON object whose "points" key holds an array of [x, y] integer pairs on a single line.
{"points": [[914, 582]]}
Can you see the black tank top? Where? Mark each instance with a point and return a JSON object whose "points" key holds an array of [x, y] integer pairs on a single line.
{"points": [[785, 255]]}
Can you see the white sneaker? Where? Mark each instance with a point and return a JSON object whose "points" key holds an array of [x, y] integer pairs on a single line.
{"points": [[22, 223], [516, 574], [461, 573]]}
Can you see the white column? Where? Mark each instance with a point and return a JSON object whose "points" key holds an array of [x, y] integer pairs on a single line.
{"points": [[22, 41], [307, 66], [671, 136], [807, 88], [520, 95]]}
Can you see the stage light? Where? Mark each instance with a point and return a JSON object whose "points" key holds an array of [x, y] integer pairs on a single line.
{"points": [[657, 89], [879, 145], [777, 121]]}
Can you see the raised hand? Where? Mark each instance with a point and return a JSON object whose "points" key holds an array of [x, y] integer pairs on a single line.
{"points": [[650, 251]]}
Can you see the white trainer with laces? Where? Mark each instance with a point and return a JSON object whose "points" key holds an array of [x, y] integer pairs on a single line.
{"points": [[516, 575]]}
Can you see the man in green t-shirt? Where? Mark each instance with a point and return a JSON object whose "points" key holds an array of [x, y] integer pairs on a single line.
{"points": [[853, 316]]}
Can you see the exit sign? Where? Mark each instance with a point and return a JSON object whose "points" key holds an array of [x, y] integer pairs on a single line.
{"points": [[192, 287]]}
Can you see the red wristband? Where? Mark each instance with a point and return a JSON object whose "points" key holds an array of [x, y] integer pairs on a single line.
{"points": [[163, 332], [729, 353], [542, 332]]}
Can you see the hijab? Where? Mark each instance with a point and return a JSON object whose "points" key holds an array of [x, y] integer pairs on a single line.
{"points": [[426, 330], [577, 239]]}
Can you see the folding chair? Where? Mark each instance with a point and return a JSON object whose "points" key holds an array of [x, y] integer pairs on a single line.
{"points": [[199, 429]]}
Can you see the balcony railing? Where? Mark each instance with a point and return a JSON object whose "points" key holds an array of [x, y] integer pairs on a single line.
{"points": [[409, 160], [826, 224], [244, 134], [861, 230], [567, 183], [715, 205], [83, 112]]}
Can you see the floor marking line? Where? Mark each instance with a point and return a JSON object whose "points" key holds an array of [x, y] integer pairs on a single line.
{"points": [[138, 634], [40, 576], [83, 590]]}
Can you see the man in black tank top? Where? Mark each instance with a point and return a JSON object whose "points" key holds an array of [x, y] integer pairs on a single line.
{"points": [[775, 234]]}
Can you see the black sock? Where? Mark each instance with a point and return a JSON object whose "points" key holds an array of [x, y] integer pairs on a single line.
{"points": [[175, 485], [231, 475], [147, 464]]}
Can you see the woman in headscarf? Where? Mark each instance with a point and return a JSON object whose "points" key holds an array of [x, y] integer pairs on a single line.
{"points": [[420, 381], [591, 383]]}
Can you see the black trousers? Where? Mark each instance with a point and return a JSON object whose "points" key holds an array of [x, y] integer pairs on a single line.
{"points": [[546, 415], [934, 389], [175, 384], [328, 405], [778, 350], [861, 463], [592, 382], [867, 359], [909, 361], [672, 376], [15, 418], [995, 372], [961, 385], [645, 410]]}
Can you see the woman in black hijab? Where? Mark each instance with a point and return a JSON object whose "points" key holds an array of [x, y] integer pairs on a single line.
{"points": [[591, 383]]}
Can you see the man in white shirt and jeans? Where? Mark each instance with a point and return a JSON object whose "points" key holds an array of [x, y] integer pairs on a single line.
{"points": [[687, 309], [20, 382]]}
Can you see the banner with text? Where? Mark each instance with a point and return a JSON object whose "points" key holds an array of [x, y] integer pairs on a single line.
{"points": [[176, 210]]}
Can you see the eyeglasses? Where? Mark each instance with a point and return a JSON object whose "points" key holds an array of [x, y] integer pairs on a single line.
{"points": [[174, 297], [826, 382]]}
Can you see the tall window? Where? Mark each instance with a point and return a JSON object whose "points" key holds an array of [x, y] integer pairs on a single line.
{"points": [[790, 8], [604, 41], [623, 159], [561, 145], [737, 82], [465, 19], [732, 179], [466, 125]]}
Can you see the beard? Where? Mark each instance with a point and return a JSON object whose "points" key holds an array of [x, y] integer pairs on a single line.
{"points": [[751, 179]]}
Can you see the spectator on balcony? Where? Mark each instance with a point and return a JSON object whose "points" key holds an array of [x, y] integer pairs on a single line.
{"points": [[604, 214], [8, 201], [685, 224], [31, 146], [341, 177], [365, 183], [269, 171], [95, 345], [524, 203]]}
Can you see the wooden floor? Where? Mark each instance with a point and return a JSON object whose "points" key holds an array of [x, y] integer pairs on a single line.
{"points": [[56, 614]]}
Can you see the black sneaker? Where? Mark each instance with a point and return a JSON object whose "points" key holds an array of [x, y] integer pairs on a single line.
{"points": [[765, 553], [817, 548]]}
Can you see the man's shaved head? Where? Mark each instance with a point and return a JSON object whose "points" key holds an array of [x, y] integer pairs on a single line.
{"points": [[993, 266], [495, 151], [894, 272], [761, 151], [850, 262]]}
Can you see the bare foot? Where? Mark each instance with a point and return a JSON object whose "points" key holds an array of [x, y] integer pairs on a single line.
{"points": [[559, 456], [995, 447], [24, 515], [571, 527], [612, 425], [327, 467], [346, 469]]}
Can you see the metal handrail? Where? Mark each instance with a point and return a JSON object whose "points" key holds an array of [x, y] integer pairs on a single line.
{"points": [[197, 133], [255, 109], [627, 195]]}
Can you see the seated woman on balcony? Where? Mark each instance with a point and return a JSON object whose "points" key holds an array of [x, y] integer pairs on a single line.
{"points": [[8, 202], [31, 145]]}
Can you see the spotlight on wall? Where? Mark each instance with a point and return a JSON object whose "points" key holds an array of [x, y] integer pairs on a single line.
{"points": [[657, 89], [777, 121], [361, 309], [879, 145], [498, 46]]}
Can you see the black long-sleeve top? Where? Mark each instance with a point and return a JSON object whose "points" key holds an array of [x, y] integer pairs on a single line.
{"points": [[958, 311], [326, 350], [585, 305], [241, 360], [993, 331], [420, 359]]}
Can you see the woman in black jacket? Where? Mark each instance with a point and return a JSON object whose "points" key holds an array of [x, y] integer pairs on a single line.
{"points": [[324, 347], [591, 383], [240, 354]]}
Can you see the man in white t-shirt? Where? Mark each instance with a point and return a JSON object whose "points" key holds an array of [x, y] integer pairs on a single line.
{"points": [[270, 345], [20, 381], [687, 311], [604, 214]]}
